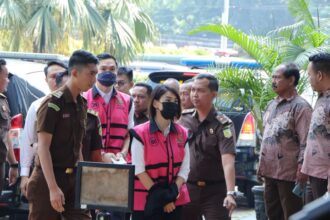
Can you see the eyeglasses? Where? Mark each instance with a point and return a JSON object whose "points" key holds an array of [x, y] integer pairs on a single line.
{"points": [[121, 82]]}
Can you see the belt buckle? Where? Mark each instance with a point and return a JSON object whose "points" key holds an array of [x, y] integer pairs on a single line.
{"points": [[201, 183], [69, 170]]}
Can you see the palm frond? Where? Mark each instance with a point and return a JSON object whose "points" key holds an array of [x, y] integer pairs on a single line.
{"points": [[264, 54], [300, 11], [43, 28], [11, 14], [287, 32]]}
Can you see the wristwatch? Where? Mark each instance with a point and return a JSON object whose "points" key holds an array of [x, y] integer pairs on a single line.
{"points": [[232, 193]]}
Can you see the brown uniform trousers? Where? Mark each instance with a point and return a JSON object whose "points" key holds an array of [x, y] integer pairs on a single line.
{"points": [[207, 200], [39, 200]]}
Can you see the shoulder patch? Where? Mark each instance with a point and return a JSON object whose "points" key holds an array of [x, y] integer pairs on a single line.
{"points": [[58, 94], [188, 111], [93, 112], [223, 119], [53, 106]]}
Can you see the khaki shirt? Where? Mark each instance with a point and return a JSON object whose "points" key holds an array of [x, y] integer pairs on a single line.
{"points": [[4, 126], [286, 124], [208, 140], [317, 154], [60, 116]]}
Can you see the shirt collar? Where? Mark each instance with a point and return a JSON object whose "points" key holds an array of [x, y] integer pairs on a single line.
{"points": [[294, 95], [96, 91], [141, 114], [154, 127], [325, 93], [68, 95], [210, 116]]}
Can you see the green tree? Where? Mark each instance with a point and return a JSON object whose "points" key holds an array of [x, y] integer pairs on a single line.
{"points": [[293, 43], [119, 26]]}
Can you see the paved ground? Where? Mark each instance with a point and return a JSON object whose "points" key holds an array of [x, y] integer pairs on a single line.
{"points": [[244, 214]]}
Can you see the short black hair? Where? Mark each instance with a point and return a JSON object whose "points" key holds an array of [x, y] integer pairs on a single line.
{"points": [[59, 77], [104, 56], [52, 63], [321, 62], [2, 63], [145, 85], [126, 72], [157, 93], [83, 58], [213, 81], [291, 69]]}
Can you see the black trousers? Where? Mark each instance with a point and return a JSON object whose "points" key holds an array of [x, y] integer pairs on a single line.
{"points": [[2, 175], [175, 215], [319, 186], [279, 200]]}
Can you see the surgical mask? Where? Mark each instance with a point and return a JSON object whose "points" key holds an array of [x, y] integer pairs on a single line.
{"points": [[170, 110], [107, 78]]}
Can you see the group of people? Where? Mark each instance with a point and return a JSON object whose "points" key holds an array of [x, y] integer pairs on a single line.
{"points": [[295, 148], [183, 150]]}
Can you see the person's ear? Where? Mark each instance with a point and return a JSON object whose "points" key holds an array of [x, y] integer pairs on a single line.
{"points": [[214, 94], [156, 104], [319, 76], [74, 72]]}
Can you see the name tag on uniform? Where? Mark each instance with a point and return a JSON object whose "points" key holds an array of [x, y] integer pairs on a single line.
{"points": [[67, 115]]}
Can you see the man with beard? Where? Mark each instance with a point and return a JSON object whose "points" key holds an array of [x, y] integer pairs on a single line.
{"points": [[317, 155], [286, 122]]}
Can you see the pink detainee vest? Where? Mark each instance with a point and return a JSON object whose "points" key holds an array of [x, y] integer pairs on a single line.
{"points": [[113, 117], [163, 157]]}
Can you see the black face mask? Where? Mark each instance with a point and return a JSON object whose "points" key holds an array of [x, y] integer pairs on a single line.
{"points": [[107, 78], [170, 110]]}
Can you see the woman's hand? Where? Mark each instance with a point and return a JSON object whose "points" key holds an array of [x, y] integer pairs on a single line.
{"points": [[170, 207]]}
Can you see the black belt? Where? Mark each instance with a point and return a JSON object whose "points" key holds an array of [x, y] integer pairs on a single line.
{"points": [[203, 183], [67, 170]]}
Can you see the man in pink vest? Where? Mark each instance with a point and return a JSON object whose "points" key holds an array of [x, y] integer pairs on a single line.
{"points": [[115, 109]]}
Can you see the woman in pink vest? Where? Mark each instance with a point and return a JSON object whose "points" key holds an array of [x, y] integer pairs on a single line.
{"points": [[160, 154]]}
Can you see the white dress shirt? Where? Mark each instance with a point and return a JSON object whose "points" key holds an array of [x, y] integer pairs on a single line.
{"points": [[29, 138]]}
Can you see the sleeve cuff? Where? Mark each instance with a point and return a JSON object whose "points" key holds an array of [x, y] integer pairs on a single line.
{"points": [[25, 171]]}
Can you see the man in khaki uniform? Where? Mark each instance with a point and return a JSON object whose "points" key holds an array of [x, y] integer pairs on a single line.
{"points": [[317, 155], [6, 148], [286, 122], [61, 121], [211, 180]]}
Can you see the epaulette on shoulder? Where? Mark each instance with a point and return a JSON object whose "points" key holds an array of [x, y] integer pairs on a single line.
{"points": [[57, 94], [3, 96], [188, 111], [223, 119], [93, 112]]}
